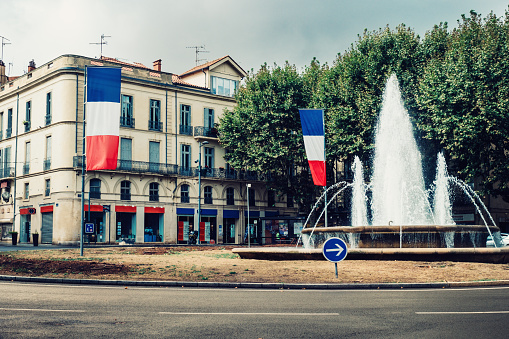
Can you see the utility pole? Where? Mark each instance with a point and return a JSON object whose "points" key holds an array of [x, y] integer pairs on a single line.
{"points": [[103, 42]]}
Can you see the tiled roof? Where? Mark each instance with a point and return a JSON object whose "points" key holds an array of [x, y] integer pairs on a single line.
{"points": [[204, 66], [177, 80], [134, 64]]}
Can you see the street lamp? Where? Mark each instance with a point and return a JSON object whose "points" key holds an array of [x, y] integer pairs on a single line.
{"points": [[199, 187], [248, 228]]}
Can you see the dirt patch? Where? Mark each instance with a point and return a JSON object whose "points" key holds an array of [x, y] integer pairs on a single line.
{"points": [[204, 263]]}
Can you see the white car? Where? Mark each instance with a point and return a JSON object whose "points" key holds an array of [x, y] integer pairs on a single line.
{"points": [[505, 240]]}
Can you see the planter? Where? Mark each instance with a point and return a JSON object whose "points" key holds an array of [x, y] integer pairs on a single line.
{"points": [[35, 239], [14, 238]]}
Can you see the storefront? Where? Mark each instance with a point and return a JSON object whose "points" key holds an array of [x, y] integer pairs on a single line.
{"points": [[154, 224], [96, 216], [185, 224], [208, 226], [256, 235], [47, 224], [126, 223], [281, 229], [230, 218]]}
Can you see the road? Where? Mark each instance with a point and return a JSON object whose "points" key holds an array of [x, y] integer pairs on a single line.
{"points": [[46, 310]]}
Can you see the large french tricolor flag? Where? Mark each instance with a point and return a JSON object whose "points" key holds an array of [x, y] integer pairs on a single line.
{"points": [[314, 141], [102, 117]]}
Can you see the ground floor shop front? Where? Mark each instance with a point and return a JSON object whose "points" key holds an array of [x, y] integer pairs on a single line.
{"points": [[109, 223]]}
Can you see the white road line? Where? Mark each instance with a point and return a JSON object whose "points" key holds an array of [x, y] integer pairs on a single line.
{"points": [[474, 312], [251, 313], [39, 310]]}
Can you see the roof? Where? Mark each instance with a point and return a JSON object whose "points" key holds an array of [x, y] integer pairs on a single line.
{"points": [[213, 63], [178, 80], [134, 64]]}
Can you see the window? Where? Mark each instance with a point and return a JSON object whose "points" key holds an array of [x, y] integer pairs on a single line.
{"points": [[47, 188], [184, 194], [125, 190], [48, 108], [27, 190], [95, 188], [185, 120], [153, 156], [47, 158], [209, 157], [126, 114], [207, 195], [225, 87], [251, 197], [26, 165], [271, 198], [154, 123], [28, 114], [8, 131], [230, 196], [185, 157], [208, 118], [153, 194], [1, 125], [7, 163], [126, 151]]}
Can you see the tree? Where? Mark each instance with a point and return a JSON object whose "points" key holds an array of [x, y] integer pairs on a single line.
{"points": [[263, 132]]}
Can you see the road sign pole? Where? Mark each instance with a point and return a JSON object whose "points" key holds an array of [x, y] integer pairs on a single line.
{"points": [[336, 265], [334, 250]]}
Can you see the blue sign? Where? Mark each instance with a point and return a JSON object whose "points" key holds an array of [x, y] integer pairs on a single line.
{"points": [[334, 249], [89, 227]]}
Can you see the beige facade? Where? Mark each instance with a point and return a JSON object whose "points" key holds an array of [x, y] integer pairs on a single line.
{"points": [[166, 122]]}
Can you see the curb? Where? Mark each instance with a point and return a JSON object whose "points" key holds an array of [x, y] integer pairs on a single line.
{"points": [[271, 286]]}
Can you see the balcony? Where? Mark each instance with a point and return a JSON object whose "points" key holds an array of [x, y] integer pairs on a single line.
{"points": [[26, 168], [155, 125], [127, 122], [186, 130], [8, 132], [48, 120], [207, 132], [27, 125], [7, 172], [169, 169]]}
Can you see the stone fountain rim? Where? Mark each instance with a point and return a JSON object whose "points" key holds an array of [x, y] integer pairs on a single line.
{"points": [[398, 228]]}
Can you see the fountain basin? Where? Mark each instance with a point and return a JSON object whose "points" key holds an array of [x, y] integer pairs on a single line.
{"points": [[483, 255], [405, 236]]}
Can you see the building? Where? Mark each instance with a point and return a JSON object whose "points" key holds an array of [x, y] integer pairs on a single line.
{"points": [[167, 128]]}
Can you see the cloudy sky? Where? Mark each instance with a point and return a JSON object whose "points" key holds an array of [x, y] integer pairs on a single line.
{"points": [[251, 32]]}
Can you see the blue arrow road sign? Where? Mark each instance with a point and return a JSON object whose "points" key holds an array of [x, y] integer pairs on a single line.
{"points": [[334, 249]]}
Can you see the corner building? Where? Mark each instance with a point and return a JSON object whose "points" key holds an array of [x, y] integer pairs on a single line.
{"points": [[167, 121]]}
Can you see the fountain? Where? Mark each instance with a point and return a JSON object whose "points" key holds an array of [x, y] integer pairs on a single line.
{"points": [[404, 220]]}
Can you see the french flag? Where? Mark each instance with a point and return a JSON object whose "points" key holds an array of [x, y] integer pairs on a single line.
{"points": [[102, 117], [314, 141]]}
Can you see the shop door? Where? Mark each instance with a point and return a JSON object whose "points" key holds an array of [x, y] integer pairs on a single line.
{"points": [[229, 231], [47, 228]]}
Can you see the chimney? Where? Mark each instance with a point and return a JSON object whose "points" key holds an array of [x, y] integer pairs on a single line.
{"points": [[157, 65], [31, 66], [3, 78]]}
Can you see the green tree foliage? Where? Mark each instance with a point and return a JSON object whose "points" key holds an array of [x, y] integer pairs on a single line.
{"points": [[263, 132], [464, 95]]}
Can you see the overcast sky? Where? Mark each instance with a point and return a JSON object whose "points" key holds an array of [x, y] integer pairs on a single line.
{"points": [[251, 32]]}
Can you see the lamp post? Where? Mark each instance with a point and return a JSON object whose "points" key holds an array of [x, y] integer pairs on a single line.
{"points": [[199, 187], [248, 227]]}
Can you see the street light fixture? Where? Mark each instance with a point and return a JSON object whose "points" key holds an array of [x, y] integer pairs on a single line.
{"points": [[199, 187]]}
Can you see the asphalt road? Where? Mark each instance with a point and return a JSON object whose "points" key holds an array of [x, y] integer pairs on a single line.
{"points": [[46, 310]]}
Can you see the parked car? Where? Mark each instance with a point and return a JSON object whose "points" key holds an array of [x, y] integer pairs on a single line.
{"points": [[505, 240]]}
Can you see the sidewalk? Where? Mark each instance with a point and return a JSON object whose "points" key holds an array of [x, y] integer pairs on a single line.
{"points": [[6, 245]]}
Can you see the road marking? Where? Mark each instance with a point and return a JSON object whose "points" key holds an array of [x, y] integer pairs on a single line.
{"points": [[39, 310], [251, 313], [474, 312]]}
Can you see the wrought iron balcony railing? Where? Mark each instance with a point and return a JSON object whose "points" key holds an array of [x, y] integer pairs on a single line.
{"points": [[47, 164], [169, 169], [26, 168], [48, 120], [200, 131], [155, 125], [127, 122], [186, 130]]}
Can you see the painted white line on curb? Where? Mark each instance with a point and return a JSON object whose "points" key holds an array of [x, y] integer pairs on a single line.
{"points": [[473, 312], [251, 313], [39, 310]]}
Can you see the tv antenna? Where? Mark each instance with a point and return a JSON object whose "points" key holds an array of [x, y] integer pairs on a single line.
{"points": [[103, 42], [3, 44], [198, 50]]}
